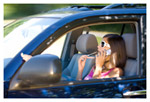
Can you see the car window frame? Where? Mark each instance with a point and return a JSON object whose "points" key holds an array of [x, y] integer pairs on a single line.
{"points": [[135, 20], [75, 83], [77, 25]]}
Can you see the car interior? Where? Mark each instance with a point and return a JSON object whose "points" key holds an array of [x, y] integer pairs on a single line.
{"points": [[84, 41], [130, 68], [87, 44]]}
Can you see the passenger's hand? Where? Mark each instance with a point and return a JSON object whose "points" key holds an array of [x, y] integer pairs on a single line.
{"points": [[81, 62], [25, 57], [100, 58]]}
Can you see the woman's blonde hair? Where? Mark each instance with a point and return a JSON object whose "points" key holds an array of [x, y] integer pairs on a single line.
{"points": [[118, 51]]}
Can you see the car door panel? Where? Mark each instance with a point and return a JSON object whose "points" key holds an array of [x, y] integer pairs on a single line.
{"points": [[99, 88]]}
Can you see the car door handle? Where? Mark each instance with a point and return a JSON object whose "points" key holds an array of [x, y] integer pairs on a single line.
{"points": [[134, 93]]}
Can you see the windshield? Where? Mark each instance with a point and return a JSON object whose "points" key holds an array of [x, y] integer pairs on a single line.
{"points": [[21, 32]]}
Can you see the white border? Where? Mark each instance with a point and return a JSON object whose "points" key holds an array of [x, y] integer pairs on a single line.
{"points": [[71, 2], [1, 51]]}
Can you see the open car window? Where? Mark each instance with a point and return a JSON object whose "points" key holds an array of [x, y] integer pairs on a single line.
{"points": [[100, 30], [57, 47]]}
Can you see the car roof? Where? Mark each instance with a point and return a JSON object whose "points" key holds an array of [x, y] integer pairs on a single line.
{"points": [[104, 12], [118, 11]]}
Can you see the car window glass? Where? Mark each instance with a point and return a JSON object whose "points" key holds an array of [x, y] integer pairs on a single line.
{"points": [[57, 47], [21, 32]]}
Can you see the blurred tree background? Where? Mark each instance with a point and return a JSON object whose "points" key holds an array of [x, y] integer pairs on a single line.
{"points": [[14, 11]]}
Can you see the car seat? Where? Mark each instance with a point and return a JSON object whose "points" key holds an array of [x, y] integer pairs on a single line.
{"points": [[130, 68], [86, 44]]}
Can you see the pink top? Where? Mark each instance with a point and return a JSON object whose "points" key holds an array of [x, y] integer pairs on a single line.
{"points": [[90, 75]]}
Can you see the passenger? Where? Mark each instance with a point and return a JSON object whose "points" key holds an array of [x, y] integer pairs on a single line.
{"points": [[106, 66]]}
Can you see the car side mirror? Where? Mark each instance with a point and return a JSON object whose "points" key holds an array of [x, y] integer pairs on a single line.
{"points": [[39, 70]]}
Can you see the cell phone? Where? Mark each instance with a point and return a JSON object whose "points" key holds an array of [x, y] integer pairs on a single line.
{"points": [[108, 52]]}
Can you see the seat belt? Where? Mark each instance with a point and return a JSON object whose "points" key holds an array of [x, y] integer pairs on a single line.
{"points": [[123, 26]]}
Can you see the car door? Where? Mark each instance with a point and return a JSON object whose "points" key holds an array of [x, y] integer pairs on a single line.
{"points": [[134, 86]]}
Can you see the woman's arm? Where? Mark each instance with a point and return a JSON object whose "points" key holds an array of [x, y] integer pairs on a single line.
{"points": [[79, 75], [100, 60], [97, 73]]}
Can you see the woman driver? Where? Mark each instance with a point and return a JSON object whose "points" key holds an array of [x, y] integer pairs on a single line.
{"points": [[106, 66]]}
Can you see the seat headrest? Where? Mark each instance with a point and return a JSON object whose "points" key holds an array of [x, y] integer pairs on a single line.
{"points": [[87, 43], [131, 44]]}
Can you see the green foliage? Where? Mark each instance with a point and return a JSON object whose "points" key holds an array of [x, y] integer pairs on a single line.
{"points": [[112, 28], [13, 11], [116, 28], [99, 39]]}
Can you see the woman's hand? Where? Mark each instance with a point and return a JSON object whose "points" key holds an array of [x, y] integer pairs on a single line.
{"points": [[25, 57], [100, 58], [81, 62]]}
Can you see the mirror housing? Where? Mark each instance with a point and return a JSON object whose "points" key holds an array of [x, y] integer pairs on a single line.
{"points": [[40, 70]]}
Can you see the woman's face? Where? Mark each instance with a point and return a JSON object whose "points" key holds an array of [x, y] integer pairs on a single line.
{"points": [[104, 45]]}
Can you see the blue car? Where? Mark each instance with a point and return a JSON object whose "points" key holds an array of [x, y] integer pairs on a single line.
{"points": [[51, 38]]}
